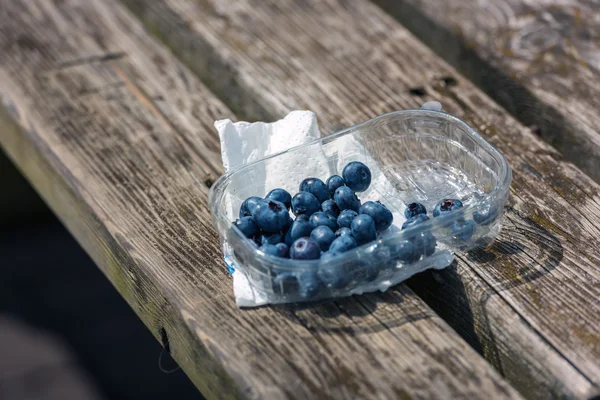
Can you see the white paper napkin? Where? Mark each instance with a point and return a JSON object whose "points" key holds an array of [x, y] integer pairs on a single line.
{"points": [[243, 143]]}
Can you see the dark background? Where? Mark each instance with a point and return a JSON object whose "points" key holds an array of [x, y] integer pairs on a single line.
{"points": [[65, 332]]}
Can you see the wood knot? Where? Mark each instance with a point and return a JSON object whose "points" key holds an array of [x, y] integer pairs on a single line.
{"points": [[208, 182], [536, 130], [164, 339], [418, 91], [449, 81]]}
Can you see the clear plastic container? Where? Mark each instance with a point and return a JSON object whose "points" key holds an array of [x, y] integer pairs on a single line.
{"points": [[414, 156]]}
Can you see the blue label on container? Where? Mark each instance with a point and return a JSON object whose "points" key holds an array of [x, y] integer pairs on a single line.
{"points": [[230, 263]]}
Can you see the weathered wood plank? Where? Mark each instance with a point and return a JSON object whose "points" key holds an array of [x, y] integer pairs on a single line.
{"points": [[115, 134], [530, 302], [539, 59]]}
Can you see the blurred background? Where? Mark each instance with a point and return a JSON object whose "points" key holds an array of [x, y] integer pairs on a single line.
{"points": [[65, 332]]}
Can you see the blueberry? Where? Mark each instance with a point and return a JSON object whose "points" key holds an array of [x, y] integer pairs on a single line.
{"points": [[283, 250], [446, 206], [309, 285], [305, 203], [281, 196], [324, 236], [305, 248], [330, 207], [333, 274], [485, 215], [285, 283], [302, 217], [424, 243], [300, 228], [287, 239], [368, 272], [328, 256], [271, 238], [247, 225], [462, 230], [381, 257], [414, 209], [363, 229], [381, 215], [406, 252], [345, 218], [257, 240], [317, 187], [271, 216], [417, 219], [343, 231], [305, 285], [270, 249], [367, 268], [388, 267], [322, 218], [346, 199], [357, 176], [334, 182], [289, 225], [248, 205], [342, 244]]}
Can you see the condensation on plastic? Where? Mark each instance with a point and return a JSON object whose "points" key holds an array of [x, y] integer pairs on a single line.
{"points": [[415, 156]]}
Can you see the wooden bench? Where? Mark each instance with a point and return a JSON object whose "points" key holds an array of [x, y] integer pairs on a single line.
{"points": [[539, 60], [116, 135]]}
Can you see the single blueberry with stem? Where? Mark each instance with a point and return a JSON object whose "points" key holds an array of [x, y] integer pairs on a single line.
{"points": [[248, 205], [271, 216], [414, 209], [381, 215], [324, 236], [416, 220], [305, 248], [300, 228], [334, 182], [446, 206], [343, 231], [330, 207], [247, 226], [322, 218], [280, 195], [342, 244], [346, 199], [363, 229], [345, 218], [305, 203], [357, 176], [463, 230], [317, 187], [333, 274]]}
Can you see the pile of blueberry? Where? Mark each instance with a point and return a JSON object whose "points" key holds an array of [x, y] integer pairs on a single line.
{"points": [[329, 217], [461, 229], [329, 220]]}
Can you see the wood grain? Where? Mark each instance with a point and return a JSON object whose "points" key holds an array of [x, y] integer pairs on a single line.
{"points": [[530, 302], [115, 134], [539, 59]]}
